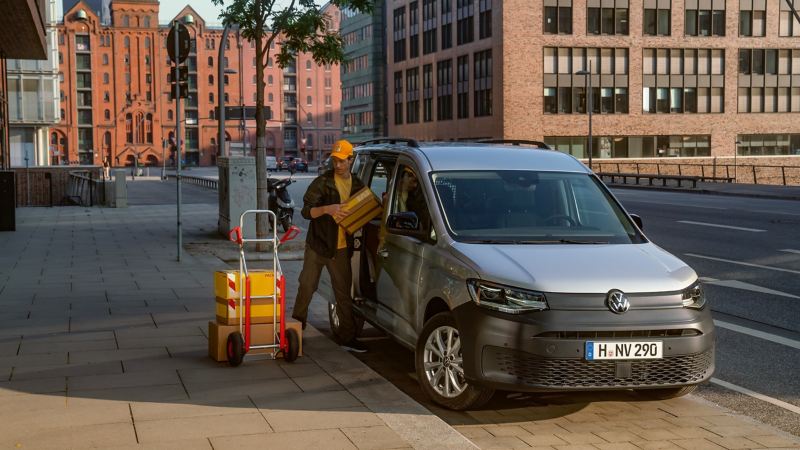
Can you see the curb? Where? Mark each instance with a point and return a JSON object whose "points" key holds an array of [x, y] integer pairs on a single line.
{"points": [[705, 192]]}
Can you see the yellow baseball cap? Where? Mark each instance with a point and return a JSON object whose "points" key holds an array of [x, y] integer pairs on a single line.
{"points": [[342, 149]]}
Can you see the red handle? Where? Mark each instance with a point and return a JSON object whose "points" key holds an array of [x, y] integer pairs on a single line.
{"points": [[290, 234], [235, 235]]}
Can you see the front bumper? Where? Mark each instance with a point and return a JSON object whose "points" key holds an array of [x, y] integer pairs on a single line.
{"points": [[544, 351]]}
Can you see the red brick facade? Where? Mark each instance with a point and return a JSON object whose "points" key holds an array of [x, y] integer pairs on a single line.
{"points": [[116, 101]]}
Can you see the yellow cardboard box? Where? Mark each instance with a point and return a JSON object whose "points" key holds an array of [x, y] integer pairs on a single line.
{"points": [[363, 207], [261, 334], [228, 310], [226, 283]]}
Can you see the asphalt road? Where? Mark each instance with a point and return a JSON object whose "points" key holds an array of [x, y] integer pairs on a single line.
{"points": [[748, 252]]}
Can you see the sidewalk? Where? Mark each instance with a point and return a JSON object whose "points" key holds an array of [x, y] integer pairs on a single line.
{"points": [[104, 345], [732, 189]]}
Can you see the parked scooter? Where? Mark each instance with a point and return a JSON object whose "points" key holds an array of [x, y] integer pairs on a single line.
{"points": [[280, 202]]}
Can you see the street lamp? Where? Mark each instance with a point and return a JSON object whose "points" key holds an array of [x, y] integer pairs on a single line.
{"points": [[588, 83], [735, 166]]}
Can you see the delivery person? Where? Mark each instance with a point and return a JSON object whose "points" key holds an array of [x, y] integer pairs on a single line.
{"points": [[327, 244]]}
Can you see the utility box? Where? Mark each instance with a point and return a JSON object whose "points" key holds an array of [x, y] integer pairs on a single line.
{"points": [[117, 191], [8, 201], [237, 193]]}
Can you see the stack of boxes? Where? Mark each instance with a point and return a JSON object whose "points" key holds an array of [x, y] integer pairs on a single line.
{"points": [[227, 286]]}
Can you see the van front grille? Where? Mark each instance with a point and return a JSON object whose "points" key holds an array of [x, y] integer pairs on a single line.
{"points": [[679, 332]]}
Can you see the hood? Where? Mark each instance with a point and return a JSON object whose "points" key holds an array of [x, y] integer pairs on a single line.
{"points": [[579, 268]]}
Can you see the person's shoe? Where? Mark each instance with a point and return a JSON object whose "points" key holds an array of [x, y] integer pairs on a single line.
{"points": [[355, 346], [302, 321]]}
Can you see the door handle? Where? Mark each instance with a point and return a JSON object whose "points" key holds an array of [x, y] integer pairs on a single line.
{"points": [[383, 253]]}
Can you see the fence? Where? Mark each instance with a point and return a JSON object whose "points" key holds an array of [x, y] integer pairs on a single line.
{"points": [[48, 185], [741, 173], [199, 181], [84, 190]]}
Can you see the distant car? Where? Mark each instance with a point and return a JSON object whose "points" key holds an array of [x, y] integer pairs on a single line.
{"points": [[300, 165], [325, 166], [272, 163], [285, 163]]}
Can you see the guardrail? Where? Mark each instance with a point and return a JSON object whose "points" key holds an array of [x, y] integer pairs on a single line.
{"points": [[741, 173], [199, 181], [84, 190]]}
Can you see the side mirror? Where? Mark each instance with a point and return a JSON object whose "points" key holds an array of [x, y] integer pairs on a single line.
{"points": [[637, 220], [405, 224]]}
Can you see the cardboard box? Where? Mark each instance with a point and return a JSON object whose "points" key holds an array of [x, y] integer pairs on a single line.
{"points": [[261, 334], [363, 206], [228, 310], [226, 283]]}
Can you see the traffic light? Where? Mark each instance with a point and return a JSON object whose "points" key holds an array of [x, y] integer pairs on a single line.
{"points": [[179, 81]]}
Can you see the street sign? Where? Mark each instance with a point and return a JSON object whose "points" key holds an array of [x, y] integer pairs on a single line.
{"points": [[235, 112], [184, 43]]}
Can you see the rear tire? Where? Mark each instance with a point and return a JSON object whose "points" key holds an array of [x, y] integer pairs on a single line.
{"points": [[292, 345], [235, 349], [665, 393], [439, 378], [286, 221], [333, 319]]}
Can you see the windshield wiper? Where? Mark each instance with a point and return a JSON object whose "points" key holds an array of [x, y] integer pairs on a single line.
{"points": [[558, 241], [489, 241]]}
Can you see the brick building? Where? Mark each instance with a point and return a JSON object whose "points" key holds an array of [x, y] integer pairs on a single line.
{"points": [[684, 78], [115, 94]]}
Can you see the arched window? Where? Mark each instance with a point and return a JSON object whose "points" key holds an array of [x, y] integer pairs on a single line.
{"points": [[147, 21], [105, 59], [308, 100], [210, 60], [308, 82], [105, 78], [169, 115], [128, 128], [149, 128], [226, 97], [211, 79], [269, 80], [309, 118], [126, 21], [107, 114], [54, 139], [310, 140], [270, 97], [140, 131], [308, 65], [107, 139], [269, 62], [210, 97], [146, 42], [126, 42], [213, 115], [214, 144], [226, 79]]}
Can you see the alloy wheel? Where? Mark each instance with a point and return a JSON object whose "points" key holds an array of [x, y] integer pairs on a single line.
{"points": [[443, 363]]}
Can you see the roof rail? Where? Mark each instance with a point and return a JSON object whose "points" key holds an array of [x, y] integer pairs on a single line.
{"points": [[516, 142], [391, 140]]}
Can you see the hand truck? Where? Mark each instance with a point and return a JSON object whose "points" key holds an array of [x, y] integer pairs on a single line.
{"points": [[285, 341]]}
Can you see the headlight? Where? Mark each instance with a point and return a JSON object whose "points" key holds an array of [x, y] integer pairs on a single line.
{"points": [[694, 297], [504, 298]]}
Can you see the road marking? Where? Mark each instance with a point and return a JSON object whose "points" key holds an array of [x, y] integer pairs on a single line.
{"points": [[775, 212], [760, 266], [676, 204], [790, 250], [736, 284], [758, 334], [705, 224], [742, 390]]}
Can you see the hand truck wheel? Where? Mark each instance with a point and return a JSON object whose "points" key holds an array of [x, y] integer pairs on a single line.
{"points": [[292, 345], [235, 348]]}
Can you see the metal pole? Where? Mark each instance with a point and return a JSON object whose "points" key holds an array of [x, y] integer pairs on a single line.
{"points": [[163, 159], [221, 90], [178, 139], [590, 114]]}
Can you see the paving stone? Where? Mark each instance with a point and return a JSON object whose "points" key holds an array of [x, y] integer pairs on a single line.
{"points": [[542, 428], [617, 446], [618, 436], [158, 393], [320, 382], [696, 444], [473, 431], [194, 444], [379, 437], [742, 429], [225, 374], [174, 429], [774, 441], [31, 348], [543, 440], [313, 419], [656, 445], [656, 434], [506, 430], [91, 436], [42, 386], [134, 379], [321, 401], [581, 438], [737, 442], [305, 440], [191, 408]]}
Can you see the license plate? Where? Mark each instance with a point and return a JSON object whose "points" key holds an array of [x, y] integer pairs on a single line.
{"points": [[623, 350]]}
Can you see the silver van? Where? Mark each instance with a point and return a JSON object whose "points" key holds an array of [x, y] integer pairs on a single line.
{"points": [[506, 267]]}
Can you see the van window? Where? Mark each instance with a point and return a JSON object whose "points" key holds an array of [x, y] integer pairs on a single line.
{"points": [[409, 197]]}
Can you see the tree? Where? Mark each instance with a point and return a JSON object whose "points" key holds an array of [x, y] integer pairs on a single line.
{"points": [[302, 27]]}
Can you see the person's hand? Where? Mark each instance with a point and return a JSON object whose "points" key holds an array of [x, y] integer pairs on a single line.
{"points": [[338, 212]]}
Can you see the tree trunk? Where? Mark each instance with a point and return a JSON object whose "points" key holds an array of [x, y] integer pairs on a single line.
{"points": [[262, 193]]}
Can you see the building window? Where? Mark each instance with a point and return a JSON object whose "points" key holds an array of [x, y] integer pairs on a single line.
{"points": [[657, 18], [767, 80], [308, 82], [227, 99], [105, 59], [484, 19], [146, 42], [565, 93], [412, 95], [398, 98], [269, 62], [170, 116], [447, 23], [105, 78], [753, 20], [444, 90], [483, 83], [211, 79], [633, 146], [463, 87], [226, 80], [126, 42], [400, 34], [328, 83], [607, 20], [705, 22], [308, 65], [690, 81], [428, 26], [126, 21], [106, 97], [269, 80], [465, 26], [558, 17], [768, 144], [210, 61], [328, 117], [309, 118], [270, 97], [789, 26], [427, 93], [413, 29], [210, 97], [308, 100], [107, 114]]}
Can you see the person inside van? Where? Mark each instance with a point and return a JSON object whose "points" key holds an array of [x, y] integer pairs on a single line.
{"points": [[410, 198]]}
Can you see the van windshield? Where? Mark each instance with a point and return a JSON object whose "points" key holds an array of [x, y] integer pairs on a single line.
{"points": [[531, 207]]}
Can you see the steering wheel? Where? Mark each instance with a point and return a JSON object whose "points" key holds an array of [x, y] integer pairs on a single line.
{"points": [[554, 217]]}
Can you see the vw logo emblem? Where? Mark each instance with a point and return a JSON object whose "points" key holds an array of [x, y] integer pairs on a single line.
{"points": [[617, 302]]}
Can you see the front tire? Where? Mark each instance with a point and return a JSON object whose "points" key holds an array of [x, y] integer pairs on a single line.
{"points": [[286, 220], [440, 366], [235, 349], [292, 345], [665, 393]]}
